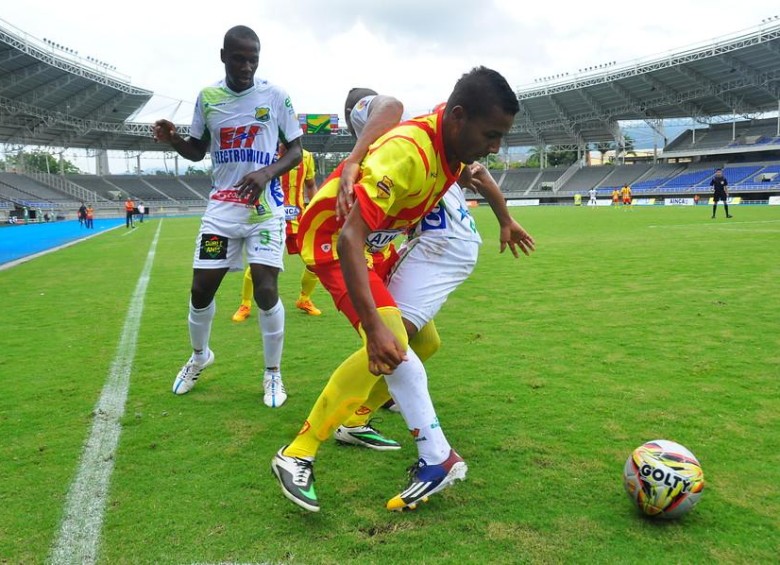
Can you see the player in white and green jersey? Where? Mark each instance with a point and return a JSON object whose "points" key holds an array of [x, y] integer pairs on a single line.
{"points": [[239, 120]]}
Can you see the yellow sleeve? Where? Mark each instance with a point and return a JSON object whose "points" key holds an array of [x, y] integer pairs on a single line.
{"points": [[393, 173], [308, 166]]}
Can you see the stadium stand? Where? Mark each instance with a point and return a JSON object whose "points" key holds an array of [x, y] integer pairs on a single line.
{"points": [[21, 187], [95, 110]]}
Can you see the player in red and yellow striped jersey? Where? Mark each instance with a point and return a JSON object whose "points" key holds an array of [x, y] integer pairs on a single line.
{"points": [[298, 187], [403, 176]]}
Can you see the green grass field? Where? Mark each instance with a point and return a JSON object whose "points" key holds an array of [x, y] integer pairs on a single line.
{"points": [[624, 326]]}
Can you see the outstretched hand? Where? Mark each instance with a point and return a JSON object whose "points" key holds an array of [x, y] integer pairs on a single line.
{"points": [[514, 236]]}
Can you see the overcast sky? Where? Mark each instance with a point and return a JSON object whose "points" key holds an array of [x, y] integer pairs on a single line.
{"points": [[412, 49]]}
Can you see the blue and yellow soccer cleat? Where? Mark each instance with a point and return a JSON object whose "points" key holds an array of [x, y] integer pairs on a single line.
{"points": [[425, 480]]}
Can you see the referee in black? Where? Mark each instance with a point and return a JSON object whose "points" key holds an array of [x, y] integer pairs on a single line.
{"points": [[719, 184]]}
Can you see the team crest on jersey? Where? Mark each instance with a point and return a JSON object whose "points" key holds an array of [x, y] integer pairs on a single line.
{"points": [[385, 186], [326, 247], [262, 114]]}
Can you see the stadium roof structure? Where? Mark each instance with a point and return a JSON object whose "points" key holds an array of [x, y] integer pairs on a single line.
{"points": [[738, 74], [49, 96]]}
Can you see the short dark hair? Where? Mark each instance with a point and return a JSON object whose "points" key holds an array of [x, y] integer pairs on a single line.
{"points": [[480, 89], [239, 32], [355, 94]]}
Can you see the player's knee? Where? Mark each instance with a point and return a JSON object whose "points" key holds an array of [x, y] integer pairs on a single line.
{"points": [[426, 343], [392, 319]]}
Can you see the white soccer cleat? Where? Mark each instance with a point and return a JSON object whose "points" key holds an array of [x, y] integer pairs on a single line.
{"points": [[274, 394], [188, 375]]}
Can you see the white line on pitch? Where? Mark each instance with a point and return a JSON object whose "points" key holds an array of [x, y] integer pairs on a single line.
{"points": [[79, 537], [710, 223]]}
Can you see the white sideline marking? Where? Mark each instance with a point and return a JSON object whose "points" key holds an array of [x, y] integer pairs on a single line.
{"points": [[79, 537], [714, 223], [26, 258]]}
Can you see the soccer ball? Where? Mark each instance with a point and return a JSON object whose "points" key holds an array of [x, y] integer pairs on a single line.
{"points": [[663, 479]]}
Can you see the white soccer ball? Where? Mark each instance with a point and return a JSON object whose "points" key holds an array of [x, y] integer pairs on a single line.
{"points": [[663, 479]]}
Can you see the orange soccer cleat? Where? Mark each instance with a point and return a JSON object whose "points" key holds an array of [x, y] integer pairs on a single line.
{"points": [[307, 306], [242, 313]]}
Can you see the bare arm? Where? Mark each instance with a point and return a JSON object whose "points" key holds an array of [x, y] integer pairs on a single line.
{"points": [[385, 353], [309, 189], [191, 148], [384, 113], [512, 233]]}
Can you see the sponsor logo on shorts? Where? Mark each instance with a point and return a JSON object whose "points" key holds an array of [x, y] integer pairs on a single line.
{"points": [[213, 246], [378, 240]]}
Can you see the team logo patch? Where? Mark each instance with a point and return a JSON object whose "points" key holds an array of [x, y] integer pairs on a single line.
{"points": [[263, 114], [361, 104], [326, 247], [213, 246], [385, 185], [306, 427]]}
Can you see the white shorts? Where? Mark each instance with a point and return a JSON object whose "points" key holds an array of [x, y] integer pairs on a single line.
{"points": [[220, 244], [428, 270]]}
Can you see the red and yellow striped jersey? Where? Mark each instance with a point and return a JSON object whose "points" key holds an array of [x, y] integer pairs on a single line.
{"points": [[403, 176], [292, 186]]}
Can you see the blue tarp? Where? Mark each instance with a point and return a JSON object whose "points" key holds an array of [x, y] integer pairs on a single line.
{"points": [[22, 240]]}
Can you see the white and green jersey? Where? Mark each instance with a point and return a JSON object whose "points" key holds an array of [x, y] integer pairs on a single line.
{"points": [[245, 128]]}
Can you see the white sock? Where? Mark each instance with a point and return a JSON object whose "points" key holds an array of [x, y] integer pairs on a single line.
{"points": [[272, 327], [200, 329], [408, 385]]}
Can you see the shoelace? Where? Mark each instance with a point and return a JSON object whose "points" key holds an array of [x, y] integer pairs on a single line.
{"points": [[370, 424], [274, 384], [303, 468]]}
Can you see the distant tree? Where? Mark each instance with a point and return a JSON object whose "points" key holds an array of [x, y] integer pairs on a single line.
{"points": [[40, 162], [557, 157], [603, 147], [195, 171], [494, 162]]}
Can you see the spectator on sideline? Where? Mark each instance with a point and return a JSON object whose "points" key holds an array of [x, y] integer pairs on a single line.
{"points": [[141, 211], [90, 216], [82, 214], [129, 211]]}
